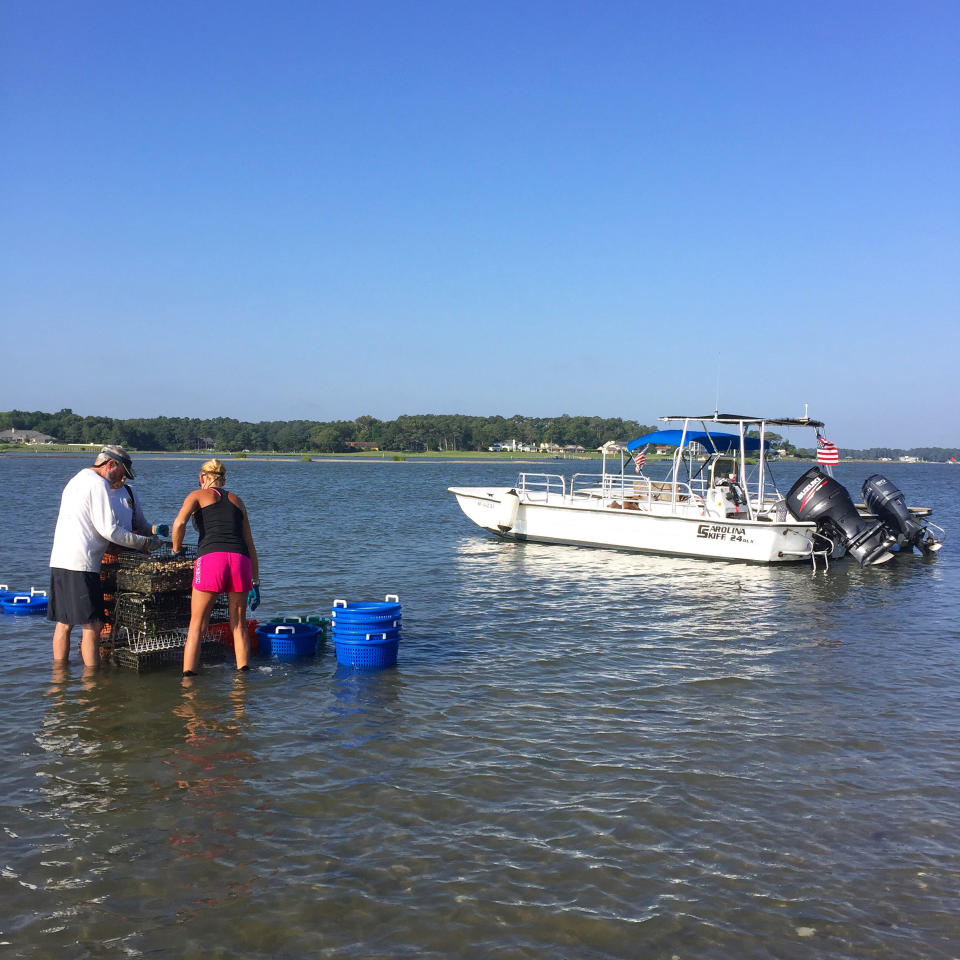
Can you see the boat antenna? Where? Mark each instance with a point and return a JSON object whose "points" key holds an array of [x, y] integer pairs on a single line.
{"points": [[716, 402]]}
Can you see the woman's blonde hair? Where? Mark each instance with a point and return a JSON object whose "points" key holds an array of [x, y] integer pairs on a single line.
{"points": [[214, 468]]}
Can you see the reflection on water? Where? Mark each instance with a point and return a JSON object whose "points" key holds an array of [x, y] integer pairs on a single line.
{"points": [[201, 723], [652, 598], [727, 601], [211, 772], [581, 752]]}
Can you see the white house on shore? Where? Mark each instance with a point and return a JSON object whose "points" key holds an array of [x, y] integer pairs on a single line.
{"points": [[612, 448], [24, 436], [511, 446]]}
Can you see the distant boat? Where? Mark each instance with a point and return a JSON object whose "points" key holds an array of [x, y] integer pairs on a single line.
{"points": [[716, 503]]}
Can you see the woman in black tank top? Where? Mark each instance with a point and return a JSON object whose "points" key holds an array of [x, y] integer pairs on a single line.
{"points": [[226, 562], [220, 524]]}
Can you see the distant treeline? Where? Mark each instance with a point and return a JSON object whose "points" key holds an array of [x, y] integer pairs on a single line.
{"points": [[441, 432], [407, 433]]}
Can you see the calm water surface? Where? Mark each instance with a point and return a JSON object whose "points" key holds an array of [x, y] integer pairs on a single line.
{"points": [[582, 753]]}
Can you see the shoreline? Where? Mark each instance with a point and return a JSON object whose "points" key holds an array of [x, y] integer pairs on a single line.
{"points": [[395, 458]]}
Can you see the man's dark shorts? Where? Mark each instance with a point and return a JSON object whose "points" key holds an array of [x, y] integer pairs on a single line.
{"points": [[76, 596]]}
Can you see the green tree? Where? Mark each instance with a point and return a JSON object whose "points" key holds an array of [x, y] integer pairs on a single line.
{"points": [[332, 437]]}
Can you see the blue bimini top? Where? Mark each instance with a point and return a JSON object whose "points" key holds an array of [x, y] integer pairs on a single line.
{"points": [[712, 441]]}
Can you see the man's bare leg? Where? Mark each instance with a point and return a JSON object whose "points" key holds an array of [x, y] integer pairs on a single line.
{"points": [[61, 641], [90, 644]]}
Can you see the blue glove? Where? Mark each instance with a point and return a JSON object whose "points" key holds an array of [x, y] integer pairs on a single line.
{"points": [[161, 530], [253, 597]]}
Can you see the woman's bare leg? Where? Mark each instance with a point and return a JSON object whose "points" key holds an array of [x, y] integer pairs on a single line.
{"points": [[238, 625], [201, 603]]}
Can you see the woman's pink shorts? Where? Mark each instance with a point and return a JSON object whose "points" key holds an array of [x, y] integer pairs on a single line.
{"points": [[222, 572]]}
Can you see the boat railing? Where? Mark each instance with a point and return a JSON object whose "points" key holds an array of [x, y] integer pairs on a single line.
{"points": [[587, 485], [630, 493], [771, 503], [541, 486]]}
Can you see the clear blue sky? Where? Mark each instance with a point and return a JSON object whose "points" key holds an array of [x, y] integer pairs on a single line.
{"points": [[317, 210]]}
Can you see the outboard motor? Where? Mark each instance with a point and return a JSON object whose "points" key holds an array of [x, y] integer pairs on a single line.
{"points": [[890, 506], [818, 498]]}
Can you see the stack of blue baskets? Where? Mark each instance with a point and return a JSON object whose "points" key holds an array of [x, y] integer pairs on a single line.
{"points": [[366, 634]]}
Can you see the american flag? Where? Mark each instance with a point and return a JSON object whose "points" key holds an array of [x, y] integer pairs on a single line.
{"points": [[827, 452], [640, 459]]}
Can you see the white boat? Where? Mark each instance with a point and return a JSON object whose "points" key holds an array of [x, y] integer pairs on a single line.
{"points": [[719, 501]]}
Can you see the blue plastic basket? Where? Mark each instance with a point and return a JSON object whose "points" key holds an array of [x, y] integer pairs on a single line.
{"points": [[360, 630], [288, 639], [25, 603], [321, 623], [377, 654], [362, 624], [366, 610]]}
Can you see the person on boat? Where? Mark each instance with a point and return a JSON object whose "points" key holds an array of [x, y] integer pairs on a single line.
{"points": [[86, 526], [226, 562]]}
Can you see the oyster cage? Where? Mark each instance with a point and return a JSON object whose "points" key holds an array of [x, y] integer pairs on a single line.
{"points": [[151, 615], [138, 659], [149, 643], [220, 612], [157, 572], [108, 572]]}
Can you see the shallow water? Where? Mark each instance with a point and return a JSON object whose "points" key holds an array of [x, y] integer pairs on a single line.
{"points": [[582, 753]]}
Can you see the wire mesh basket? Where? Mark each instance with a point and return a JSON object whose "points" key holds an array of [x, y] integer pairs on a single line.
{"points": [[220, 612], [158, 572], [222, 634], [149, 643], [136, 658], [146, 660], [108, 572], [152, 615], [109, 605]]}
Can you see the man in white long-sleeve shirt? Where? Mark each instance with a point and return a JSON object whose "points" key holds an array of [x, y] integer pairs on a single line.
{"points": [[86, 526]]}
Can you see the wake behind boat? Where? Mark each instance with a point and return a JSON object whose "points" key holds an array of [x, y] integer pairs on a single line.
{"points": [[717, 502]]}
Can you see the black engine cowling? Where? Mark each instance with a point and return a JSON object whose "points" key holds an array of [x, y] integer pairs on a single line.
{"points": [[890, 506], [818, 498]]}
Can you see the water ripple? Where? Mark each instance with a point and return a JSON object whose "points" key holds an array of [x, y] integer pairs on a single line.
{"points": [[582, 753]]}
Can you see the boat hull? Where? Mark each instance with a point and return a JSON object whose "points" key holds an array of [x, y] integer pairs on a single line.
{"points": [[556, 519]]}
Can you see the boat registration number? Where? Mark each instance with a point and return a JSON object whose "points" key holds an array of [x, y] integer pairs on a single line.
{"points": [[721, 531]]}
